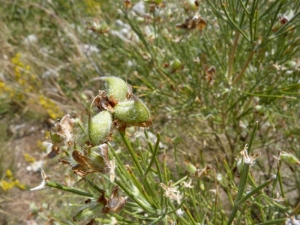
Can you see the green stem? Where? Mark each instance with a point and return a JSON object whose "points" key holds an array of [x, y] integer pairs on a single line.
{"points": [[132, 153], [147, 209], [280, 180], [68, 189], [154, 153], [239, 76], [243, 180], [231, 56], [254, 191], [279, 221]]}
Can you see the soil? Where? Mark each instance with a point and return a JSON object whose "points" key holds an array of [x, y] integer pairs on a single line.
{"points": [[15, 203]]}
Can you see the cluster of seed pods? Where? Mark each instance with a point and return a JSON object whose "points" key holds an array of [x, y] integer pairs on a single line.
{"points": [[118, 108]]}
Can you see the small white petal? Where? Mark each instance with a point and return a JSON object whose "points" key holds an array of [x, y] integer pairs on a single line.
{"points": [[41, 186]]}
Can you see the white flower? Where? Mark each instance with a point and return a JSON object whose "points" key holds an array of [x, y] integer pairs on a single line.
{"points": [[188, 184], [89, 49], [248, 159], [171, 192], [139, 8], [35, 166], [292, 221], [179, 212], [30, 39], [45, 177]]}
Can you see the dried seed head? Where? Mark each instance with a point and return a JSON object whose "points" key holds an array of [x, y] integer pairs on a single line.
{"points": [[64, 130], [114, 203], [283, 19], [127, 4], [193, 23], [202, 172]]}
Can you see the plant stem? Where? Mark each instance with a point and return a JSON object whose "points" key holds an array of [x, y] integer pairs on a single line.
{"points": [[153, 156], [279, 221], [131, 152], [231, 57], [239, 76], [243, 180], [68, 189]]}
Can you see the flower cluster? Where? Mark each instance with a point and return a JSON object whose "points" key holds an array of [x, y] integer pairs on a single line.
{"points": [[26, 87], [10, 182], [118, 107]]}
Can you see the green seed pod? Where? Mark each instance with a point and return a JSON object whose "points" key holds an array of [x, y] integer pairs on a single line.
{"points": [[289, 158], [192, 5], [291, 64], [175, 65], [260, 109], [132, 111], [191, 168], [56, 138], [116, 87], [99, 127]]}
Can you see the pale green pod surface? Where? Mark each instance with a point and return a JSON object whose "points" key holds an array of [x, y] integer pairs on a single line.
{"points": [[289, 158], [191, 168], [116, 87], [99, 127], [191, 5], [132, 111], [175, 65]]}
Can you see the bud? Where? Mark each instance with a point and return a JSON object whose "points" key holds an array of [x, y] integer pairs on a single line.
{"points": [[191, 5], [191, 168], [56, 138], [175, 65], [289, 158], [116, 87], [291, 64], [132, 111], [260, 109], [99, 127]]}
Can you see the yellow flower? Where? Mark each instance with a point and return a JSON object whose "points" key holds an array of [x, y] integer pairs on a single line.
{"points": [[28, 158], [9, 174], [6, 185], [20, 186]]}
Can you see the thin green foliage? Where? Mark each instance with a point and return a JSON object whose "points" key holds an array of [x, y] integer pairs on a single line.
{"points": [[216, 77]]}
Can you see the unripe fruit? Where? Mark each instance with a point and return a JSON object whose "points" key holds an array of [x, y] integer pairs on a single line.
{"points": [[192, 4], [289, 158], [175, 65], [260, 109], [132, 111], [116, 87], [99, 127], [191, 168]]}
